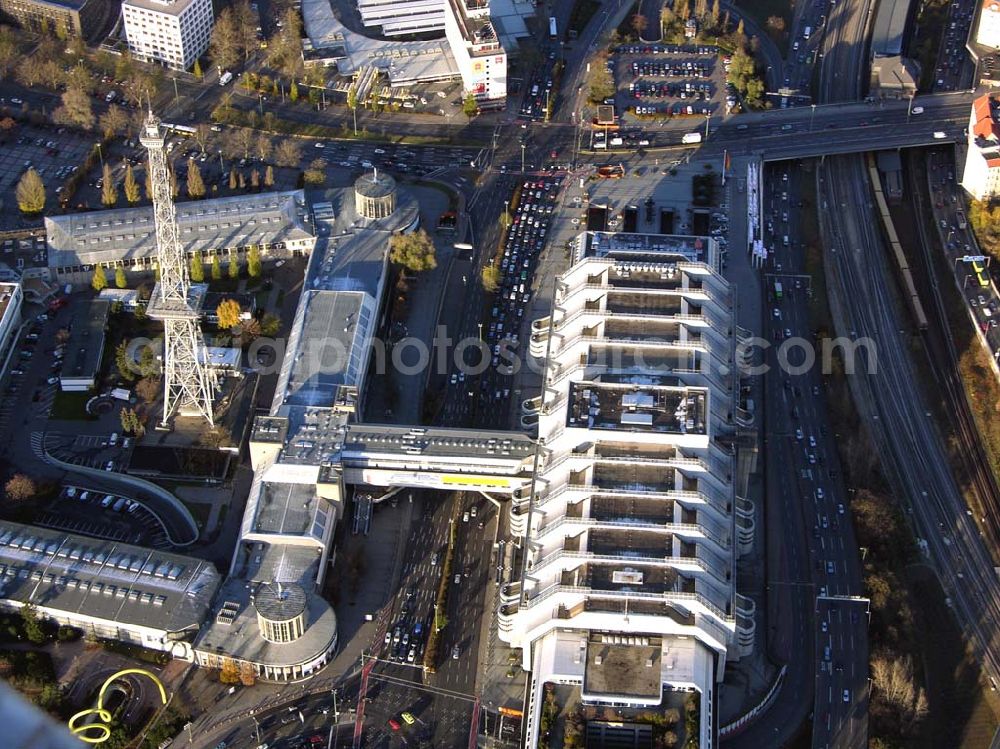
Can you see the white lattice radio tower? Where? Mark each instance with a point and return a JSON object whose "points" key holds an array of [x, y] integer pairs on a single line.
{"points": [[188, 384]]}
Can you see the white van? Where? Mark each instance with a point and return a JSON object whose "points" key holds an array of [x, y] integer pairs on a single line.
{"points": [[939, 135]]}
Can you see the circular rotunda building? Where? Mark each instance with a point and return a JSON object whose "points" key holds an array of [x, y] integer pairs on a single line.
{"points": [[375, 195], [281, 609]]}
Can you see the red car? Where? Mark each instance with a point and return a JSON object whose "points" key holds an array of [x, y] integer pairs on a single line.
{"points": [[317, 739], [394, 724]]}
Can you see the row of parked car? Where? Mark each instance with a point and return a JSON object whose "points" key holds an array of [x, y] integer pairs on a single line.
{"points": [[106, 501], [657, 90], [667, 49], [663, 69]]}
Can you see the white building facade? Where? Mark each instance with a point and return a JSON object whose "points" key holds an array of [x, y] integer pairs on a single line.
{"points": [[981, 176], [11, 299], [633, 526], [173, 33], [481, 58], [988, 33]]}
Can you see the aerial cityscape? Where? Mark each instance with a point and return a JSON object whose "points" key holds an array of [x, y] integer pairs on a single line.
{"points": [[499, 373]]}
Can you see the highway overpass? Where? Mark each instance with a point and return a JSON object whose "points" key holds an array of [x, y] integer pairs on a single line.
{"points": [[825, 130]]}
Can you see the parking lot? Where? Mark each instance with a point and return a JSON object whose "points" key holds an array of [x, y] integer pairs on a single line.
{"points": [[657, 82], [96, 513], [53, 152], [32, 377]]}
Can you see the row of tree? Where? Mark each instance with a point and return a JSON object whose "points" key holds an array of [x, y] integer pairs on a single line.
{"points": [[99, 278]]}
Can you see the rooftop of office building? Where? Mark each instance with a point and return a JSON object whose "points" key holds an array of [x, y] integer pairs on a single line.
{"points": [[171, 7], [436, 441], [86, 339], [637, 249], [637, 408]]}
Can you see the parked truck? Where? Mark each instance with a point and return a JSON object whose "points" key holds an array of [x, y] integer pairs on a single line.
{"points": [[225, 78]]}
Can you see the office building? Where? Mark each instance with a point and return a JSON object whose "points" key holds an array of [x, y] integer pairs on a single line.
{"points": [[981, 176], [632, 526], [76, 17], [481, 58], [173, 33]]}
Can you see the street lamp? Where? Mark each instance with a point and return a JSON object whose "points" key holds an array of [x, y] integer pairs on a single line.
{"points": [[100, 154], [506, 215], [256, 726], [811, 116], [909, 108], [260, 102], [522, 158], [222, 164]]}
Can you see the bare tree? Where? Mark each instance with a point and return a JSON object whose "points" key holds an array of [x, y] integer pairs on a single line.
{"points": [[224, 47], [244, 138], [76, 110], [113, 121], [201, 135], [263, 147], [287, 153]]}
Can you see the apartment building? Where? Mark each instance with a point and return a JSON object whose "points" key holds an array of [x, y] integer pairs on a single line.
{"points": [[481, 58], [981, 176], [173, 33], [632, 528]]}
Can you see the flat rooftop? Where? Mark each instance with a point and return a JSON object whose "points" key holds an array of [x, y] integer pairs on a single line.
{"points": [[637, 249], [171, 7], [636, 665], [328, 353], [76, 239], [288, 509], [404, 62], [436, 441], [633, 408], [86, 339], [283, 501], [623, 665], [104, 579]]}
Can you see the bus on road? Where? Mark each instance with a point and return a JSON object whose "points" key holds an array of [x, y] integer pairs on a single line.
{"points": [[553, 31]]}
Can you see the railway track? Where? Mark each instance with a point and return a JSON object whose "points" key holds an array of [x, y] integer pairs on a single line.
{"points": [[942, 359]]}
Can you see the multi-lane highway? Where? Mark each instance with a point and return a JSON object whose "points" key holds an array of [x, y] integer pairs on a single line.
{"points": [[824, 576], [889, 395]]}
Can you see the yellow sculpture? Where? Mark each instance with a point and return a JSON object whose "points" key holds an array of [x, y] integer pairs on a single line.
{"points": [[103, 726]]}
